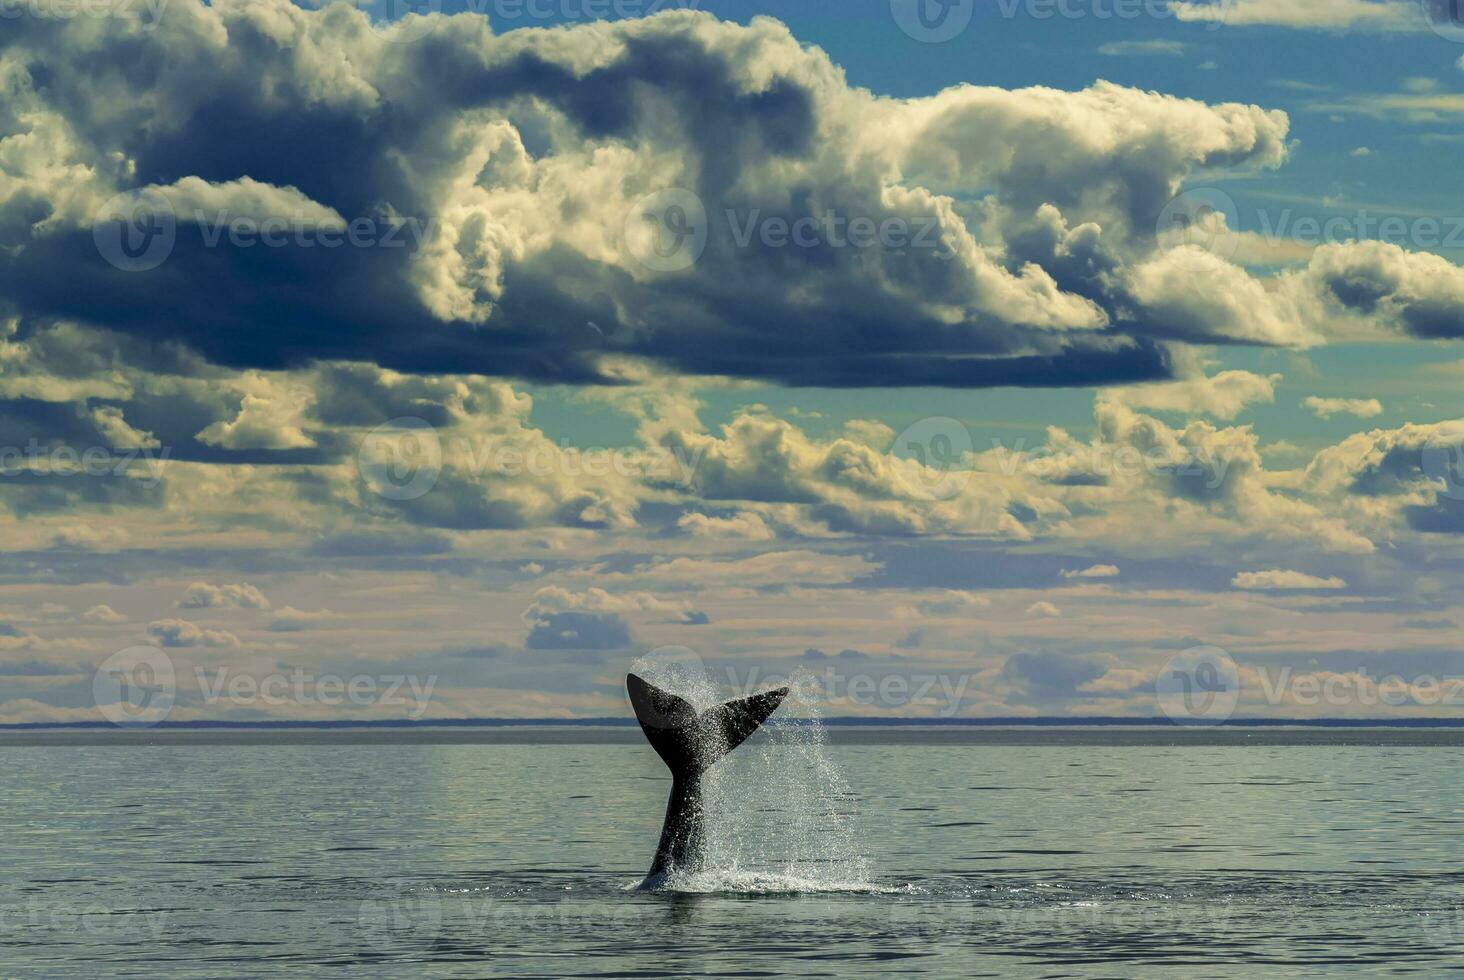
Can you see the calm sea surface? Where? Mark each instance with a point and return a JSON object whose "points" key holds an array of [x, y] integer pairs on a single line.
{"points": [[1052, 853]]}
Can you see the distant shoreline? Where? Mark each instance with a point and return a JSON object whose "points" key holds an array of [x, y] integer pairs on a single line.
{"points": [[838, 722]]}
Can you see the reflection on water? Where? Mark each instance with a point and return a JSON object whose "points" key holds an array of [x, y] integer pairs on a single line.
{"points": [[511, 859]]}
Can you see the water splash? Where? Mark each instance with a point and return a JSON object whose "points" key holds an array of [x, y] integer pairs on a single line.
{"points": [[779, 815]]}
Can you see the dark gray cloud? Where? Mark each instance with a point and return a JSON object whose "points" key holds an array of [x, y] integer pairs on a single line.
{"points": [[1048, 676], [262, 123]]}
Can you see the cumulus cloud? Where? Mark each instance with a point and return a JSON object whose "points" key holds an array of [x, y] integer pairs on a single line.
{"points": [[1127, 49], [1325, 408], [513, 176], [744, 525], [1224, 396], [182, 633], [1377, 15], [1092, 571], [103, 613], [1281, 579], [241, 595]]}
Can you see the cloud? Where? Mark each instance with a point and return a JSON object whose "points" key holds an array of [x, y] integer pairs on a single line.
{"points": [[201, 595], [292, 620], [776, 569], [103, 614], [578, 631], [1279, 579], [181, 633], [1365, 15], [1043, 609], [743, 525], [1223, 396], [1092, 571], [1412, 474], [1325, 408], [1049, 676], [1125, 49], [508, 181]]}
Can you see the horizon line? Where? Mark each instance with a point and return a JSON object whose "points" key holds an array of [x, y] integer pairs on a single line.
{"points": [[842, 721]]}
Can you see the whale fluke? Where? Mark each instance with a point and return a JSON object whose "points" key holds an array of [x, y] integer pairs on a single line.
{"points": [[690, 742]]}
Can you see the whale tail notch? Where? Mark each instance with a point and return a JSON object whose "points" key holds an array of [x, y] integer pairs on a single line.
{"points": [[688, 741]]}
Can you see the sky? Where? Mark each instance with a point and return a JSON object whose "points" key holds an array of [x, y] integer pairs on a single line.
{"points": [[971, 359]]}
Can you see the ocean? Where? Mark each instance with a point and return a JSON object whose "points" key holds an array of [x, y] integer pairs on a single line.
{"points": [[869, 852]]}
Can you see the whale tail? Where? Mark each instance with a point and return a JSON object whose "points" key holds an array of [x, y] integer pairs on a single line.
{"points": [[688, 741]]}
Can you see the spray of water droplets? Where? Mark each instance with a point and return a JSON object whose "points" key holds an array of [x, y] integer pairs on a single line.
{"points": [[780, 817]]}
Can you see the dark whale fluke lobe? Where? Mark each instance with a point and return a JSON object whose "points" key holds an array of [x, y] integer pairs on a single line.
{"points": [[690, 742]]}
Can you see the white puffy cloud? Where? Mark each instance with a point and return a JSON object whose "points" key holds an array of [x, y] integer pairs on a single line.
{"points": [[103, 613], [182, 633], [744, 525], [1325, 408], [1281, 579], [241, 595], [1377, 15], [1092, 571], [1224, 396]]}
